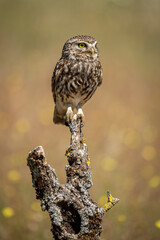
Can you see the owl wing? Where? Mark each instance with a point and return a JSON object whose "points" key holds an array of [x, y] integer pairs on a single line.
{"points": [[56, 75], [100, 71]]}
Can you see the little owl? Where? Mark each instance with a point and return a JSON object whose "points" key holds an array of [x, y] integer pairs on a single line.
{"points": [[76, 77]]}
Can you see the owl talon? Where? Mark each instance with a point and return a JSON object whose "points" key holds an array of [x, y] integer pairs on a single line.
{"points": [[69, 114], [80, 115]]}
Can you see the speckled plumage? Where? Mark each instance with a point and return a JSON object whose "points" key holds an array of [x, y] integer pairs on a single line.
{"points": [[76, 76]]}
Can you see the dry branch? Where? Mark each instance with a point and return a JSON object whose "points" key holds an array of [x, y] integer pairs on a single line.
{"points": [[73, 214]]}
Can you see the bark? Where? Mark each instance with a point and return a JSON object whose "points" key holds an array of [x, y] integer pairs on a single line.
{"points": [[73, 214]]}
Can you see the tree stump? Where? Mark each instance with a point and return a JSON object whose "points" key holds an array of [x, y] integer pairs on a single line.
{"points": [[73, 214]]}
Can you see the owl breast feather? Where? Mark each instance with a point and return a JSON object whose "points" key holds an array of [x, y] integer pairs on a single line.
{"points": [[76, 81]]}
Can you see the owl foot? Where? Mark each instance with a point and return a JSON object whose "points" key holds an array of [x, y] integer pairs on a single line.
{"points": [[69, 114], [80, 115]]}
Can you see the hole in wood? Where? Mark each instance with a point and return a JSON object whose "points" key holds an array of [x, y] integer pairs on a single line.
{"points": [[71, 217]]}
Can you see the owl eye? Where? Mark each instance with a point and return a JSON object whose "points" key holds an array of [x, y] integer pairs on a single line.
{"points": [[81, 45]]}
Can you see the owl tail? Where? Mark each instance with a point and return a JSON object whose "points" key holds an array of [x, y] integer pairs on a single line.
{"points": [[58, 118]]}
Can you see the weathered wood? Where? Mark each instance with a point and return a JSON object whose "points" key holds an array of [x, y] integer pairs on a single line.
{"points": [[73, 214]]}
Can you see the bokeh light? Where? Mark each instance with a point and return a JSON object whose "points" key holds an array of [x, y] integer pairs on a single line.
{"points": [[109, 164], [36, 206], [13, 175], [157, 224], [154, 181], [122, 119], [132, 138], [149, 152], [121, 218], [7, 212], [22, 125]]}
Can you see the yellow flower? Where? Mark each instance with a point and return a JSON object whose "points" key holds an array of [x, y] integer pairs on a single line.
{"points": [[13, 175], [109, 164], [22, 125], [157, 223], [154, 181], [132, 138], [121, 218], [7, 212], [149, 152], [36, 206]]}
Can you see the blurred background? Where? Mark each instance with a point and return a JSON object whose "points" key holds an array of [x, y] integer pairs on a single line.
{"points": [[122, 119]]}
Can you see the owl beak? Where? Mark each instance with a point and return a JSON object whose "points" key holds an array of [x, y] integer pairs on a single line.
{"points": [[92, 51]]}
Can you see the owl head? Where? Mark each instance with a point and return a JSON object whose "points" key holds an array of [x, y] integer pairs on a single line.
{"points": [[80, 48]]}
